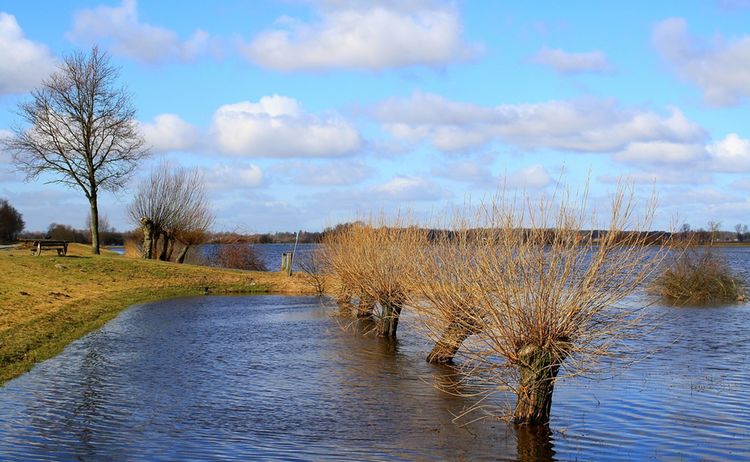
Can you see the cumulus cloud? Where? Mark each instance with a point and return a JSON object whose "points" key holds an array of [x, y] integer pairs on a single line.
{"points": [[573, 63], [121, 29], [720, 68], [585, 125], [169, 132], [276, 126], [732, 154], [363, 35], [23, 63]]}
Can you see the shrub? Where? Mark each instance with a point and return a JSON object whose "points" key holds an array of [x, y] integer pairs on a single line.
{"points": [[238, 256], [697, 277]]}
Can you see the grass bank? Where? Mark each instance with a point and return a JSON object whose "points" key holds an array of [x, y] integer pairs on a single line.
{"points": [[48, 301]]}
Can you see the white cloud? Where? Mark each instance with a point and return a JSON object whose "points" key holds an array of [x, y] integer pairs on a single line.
{"points": [[126, 35], [327, 174], [573, 63], [408, 188], [363, 35], [720, 68], [732, 154], [661, 152], [585, 125], [236, 176], [469, 171], [532, 177], [169, 132], [680, 176], [23, 63], [5, 156], [479, 174], [276, 126]]}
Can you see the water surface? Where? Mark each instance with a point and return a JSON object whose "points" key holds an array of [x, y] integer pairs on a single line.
{"points": [[277, 378]]}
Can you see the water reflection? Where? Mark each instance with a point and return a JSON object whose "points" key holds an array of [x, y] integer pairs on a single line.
{"points": [[534, 444]]}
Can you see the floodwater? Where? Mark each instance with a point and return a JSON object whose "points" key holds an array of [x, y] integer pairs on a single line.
{"points": [[277, 378]]}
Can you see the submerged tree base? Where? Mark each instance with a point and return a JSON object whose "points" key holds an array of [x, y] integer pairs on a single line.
{"points": [[538, 370], [449, 343]]}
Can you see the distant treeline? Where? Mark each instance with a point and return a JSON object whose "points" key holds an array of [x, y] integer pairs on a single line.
{"points": [[310, 237], [110, 236]]}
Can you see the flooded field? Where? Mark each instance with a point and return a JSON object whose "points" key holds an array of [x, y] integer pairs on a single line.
{"points": [[276, 378]]}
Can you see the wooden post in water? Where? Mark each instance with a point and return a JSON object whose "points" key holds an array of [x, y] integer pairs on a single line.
{"points": [[286, 262], [291, 257]]}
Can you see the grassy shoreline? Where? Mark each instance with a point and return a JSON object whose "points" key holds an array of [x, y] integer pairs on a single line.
{"points": [[46, 302]]}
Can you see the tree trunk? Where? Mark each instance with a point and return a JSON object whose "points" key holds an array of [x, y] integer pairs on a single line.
{"points": [[156, 235], [538, 369], [181, 256], [165, 247], [366, 307], [148, 237], [171, 249], [94, 224], [389, 320], [449, 343]]}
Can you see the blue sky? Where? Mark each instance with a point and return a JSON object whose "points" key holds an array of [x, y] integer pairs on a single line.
{"points": [[304, 113]]}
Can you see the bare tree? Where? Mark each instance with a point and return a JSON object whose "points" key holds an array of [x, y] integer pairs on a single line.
{"points": [[375, 262], [171, 205], [313, 267], [713, 228], [741, 231], [81, 129], [540, 294]]}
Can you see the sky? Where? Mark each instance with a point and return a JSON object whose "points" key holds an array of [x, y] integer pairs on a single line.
{"points": [[301, 114]]}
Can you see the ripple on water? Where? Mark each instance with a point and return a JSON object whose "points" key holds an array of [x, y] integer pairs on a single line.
{"points": [[276, 378]]}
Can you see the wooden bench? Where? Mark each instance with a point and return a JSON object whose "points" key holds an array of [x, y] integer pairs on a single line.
{"points": [[37, 245]]}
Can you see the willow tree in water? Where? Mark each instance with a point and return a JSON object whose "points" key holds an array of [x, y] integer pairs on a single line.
{"points": [[540, 293], [375, 262], [81, 131]]}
